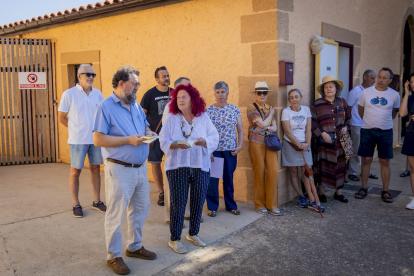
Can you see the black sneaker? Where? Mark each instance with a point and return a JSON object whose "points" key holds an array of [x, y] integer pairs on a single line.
{"points": [[100, 206], [161, 199], [77, 211]]}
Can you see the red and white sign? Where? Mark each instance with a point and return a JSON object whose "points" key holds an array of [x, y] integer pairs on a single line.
{"points": [[32, 80]]}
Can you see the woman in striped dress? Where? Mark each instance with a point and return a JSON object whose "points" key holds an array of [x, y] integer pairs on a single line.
{"points": [[329, 115]]}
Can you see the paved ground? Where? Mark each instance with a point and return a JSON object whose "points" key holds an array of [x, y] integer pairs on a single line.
{"points": [[364, 237]]}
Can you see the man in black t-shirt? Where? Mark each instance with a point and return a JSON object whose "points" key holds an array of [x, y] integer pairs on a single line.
{"points": [[153, 103]]}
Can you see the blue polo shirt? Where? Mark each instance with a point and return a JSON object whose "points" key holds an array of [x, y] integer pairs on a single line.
{"points": [[114, 119]]}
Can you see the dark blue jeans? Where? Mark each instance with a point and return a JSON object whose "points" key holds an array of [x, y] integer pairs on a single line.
{"points": [[230, 164]]}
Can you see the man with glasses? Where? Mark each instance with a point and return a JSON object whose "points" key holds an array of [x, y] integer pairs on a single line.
{"points": [[153, 103], [377, 106], [119, 126], [76, 111]]}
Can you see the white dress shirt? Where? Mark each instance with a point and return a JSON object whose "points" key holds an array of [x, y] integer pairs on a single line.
{"points": [[196, 156]]}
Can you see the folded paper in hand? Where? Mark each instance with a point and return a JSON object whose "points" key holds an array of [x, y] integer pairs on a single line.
{"points": [[149, 139], [188, 144]]}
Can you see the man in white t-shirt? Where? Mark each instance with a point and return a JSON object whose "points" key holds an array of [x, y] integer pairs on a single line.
{"points": [[377, 106], [356, 122], [76, 112]]}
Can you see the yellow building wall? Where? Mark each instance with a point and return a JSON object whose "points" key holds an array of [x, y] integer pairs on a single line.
{"points": [[205, 40]]}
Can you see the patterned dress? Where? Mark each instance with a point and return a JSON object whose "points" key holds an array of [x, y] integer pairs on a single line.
{"points": [[329, 161], [408, 146]]}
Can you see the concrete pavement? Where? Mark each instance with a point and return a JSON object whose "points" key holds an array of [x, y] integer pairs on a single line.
{"points": [[38, 235]]}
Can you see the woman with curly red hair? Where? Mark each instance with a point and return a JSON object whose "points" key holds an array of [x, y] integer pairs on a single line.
{"points": [[187, 138]]}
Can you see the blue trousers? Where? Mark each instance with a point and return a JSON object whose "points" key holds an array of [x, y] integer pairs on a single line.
{"points": [[230, 164], [179, 181]]}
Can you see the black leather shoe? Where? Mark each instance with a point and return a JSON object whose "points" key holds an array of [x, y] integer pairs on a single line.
{"points": [[322, 198], [341, 198]]}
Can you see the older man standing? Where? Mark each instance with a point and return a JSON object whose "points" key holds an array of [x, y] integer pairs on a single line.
{"points": [[377, 106], [119, 126], [356, 122], [76, 111]]}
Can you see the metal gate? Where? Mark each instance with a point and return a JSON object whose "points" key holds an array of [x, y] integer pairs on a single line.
{"points": [[27, 116]]}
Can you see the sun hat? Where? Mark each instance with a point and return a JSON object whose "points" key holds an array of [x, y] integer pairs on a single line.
{"points": [[261, 86], [329, 78]]}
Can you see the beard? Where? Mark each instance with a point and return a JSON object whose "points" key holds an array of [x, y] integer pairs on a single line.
{"points": [[130, 99], [166, 83]]}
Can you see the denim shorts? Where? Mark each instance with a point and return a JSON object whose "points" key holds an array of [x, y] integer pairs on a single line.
{"points": [[78, 153], [371, 138], [155, 154]]}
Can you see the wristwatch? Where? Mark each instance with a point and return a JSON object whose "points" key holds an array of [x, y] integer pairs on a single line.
{"points": [[267, 128]]}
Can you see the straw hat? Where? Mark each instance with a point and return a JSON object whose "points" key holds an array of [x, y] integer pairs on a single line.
{"points": [[329, 78], [261, 86]]}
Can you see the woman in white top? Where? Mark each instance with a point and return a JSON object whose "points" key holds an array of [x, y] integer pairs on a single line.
{"points": [[188, 138], [296, 122]]}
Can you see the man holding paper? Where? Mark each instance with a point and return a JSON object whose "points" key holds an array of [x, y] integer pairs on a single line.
{"points": [[227, 119]]}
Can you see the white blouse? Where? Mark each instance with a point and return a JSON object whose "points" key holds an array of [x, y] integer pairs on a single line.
{"points": [[196, 156]]}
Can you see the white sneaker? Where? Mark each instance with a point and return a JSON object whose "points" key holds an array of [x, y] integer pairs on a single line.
{"points": [[410, 205], [262, 210], [177, 246], [275, 212], [196, 240]]}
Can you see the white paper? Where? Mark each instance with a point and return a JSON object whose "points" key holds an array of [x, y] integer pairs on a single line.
{"points": [[217, 168]]}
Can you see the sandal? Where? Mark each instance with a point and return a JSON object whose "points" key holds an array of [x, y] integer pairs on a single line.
{"points": [[405, 173], [234, 212], [212, 214], [361, 194], [353, 177], [386, 197], [373, 176]]}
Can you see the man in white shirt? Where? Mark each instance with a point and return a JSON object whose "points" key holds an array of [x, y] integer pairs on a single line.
{"points": [[76, 112], [377, 106], [356, 122]]}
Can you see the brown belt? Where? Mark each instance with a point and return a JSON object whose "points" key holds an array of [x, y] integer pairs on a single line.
{"points": [[124, 163]]}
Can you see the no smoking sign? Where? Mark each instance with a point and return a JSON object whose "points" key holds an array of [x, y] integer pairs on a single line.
{"points": [[32, 80]]}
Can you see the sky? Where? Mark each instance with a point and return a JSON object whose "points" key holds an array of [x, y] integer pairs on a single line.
{"points": [[17, 10]]}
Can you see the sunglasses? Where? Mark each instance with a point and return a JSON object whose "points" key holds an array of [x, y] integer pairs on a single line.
{"points": [[93, 75], [262, 93]]}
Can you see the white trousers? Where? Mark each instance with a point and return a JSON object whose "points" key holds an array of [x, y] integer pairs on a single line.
{"points": [[355, 160], [125, 189], [167, 199]]}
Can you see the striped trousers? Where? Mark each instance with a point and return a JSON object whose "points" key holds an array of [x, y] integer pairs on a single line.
{"points": [[179, 181]]}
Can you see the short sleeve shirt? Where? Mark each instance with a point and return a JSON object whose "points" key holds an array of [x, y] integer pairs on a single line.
{"points": [[154, 101], [225, 121], [353, 98], [114, 119], [378, 106], [80, 108], [298, 121], [253, 115]]}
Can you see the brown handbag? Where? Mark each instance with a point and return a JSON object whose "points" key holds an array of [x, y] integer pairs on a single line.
{"points": [[293, 146]]}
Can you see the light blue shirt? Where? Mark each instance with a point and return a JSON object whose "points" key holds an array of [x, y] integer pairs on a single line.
{"points": [[114, 119]]}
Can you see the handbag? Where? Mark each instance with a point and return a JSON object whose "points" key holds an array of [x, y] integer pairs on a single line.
{"points": [[271, 140], [322, 141]]}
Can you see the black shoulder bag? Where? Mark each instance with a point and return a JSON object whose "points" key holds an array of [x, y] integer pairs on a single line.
{"points": [[271, 140]]}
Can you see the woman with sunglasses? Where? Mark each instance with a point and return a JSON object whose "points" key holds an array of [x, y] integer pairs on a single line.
{"points": [[264, 161], [407, 107]]}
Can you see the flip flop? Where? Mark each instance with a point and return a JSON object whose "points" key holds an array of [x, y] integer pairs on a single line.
{"points": [[353, 177]]}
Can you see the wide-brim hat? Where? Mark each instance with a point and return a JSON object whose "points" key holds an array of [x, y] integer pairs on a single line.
{"points": [[261, 86], [329, 78]]}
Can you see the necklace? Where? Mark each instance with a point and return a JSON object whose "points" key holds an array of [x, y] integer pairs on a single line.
{"points": [[182, 127]]}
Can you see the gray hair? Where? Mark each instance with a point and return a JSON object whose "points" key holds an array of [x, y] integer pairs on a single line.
{"points": [[83, 66], [179, 80], [367, 72], [295, 90], [221, 84], [123, 74]]}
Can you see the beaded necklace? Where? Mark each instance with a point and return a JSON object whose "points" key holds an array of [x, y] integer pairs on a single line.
{"points": [[182, 126]]}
